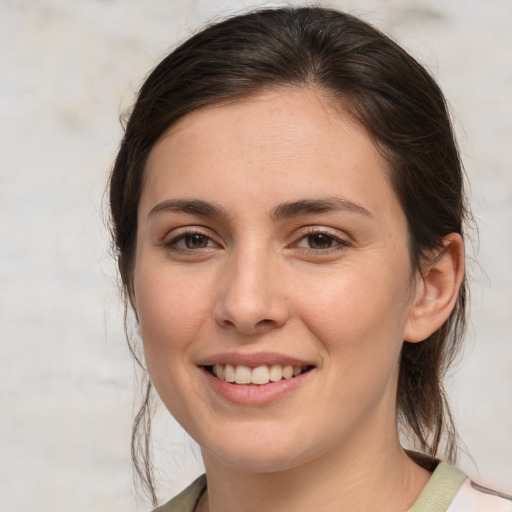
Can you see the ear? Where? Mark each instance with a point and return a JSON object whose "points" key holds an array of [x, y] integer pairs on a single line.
{"points": [[437, 289]]}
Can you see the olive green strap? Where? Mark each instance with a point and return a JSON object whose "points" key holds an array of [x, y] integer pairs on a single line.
{"points": [[187, 500], [440, 489]]}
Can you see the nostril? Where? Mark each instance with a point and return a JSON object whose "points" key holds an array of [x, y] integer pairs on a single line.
{"points": [[264, 322], [227, 323]]}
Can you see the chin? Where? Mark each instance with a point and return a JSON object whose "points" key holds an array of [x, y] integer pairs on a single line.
{"points": [[256, 461], [259, 452]]}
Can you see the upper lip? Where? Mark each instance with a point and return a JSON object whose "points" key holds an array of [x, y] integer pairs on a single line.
{"points": [[253, 360]]}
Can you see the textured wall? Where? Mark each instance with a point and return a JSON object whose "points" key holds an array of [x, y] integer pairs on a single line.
{"points": [[67, 69]]}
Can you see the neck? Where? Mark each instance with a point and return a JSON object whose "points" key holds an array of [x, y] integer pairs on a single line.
{"points": [[376, 476]]}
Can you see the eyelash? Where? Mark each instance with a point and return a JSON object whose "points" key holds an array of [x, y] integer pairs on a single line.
{"points": [[339, 243], [172, 243]]}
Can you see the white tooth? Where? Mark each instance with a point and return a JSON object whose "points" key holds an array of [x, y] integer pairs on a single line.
{"points": [[276, 372], [242, 375], [297, 370], [260, 375], [288, 371], [229, 373], [218, 371]]}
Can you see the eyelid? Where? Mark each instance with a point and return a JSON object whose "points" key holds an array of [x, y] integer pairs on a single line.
{"points": [[177, 234], [341, 241]]}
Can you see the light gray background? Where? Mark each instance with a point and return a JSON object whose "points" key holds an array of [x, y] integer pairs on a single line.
{"points": [[67, 69]]}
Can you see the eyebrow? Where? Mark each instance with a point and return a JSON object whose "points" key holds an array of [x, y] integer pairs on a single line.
{"points": [[192, 206], [328, 204], [283, 210]]}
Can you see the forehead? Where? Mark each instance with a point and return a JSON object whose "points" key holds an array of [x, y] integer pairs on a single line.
{"points": [[291, 142], [260, 117]]}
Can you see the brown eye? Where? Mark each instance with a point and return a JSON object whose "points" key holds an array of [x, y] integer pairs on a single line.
{"points": [[320, 241], [196, 241]]}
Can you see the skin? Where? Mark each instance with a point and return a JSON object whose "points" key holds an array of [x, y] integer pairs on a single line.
{"points": [[259, 282]]}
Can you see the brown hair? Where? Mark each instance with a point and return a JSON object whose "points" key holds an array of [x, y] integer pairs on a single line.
{"points": [[386, 91]]}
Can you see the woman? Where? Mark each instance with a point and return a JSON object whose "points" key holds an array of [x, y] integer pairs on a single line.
{"points": [[288, 213]]}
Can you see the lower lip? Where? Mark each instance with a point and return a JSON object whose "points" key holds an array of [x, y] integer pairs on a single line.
{"points": [[254, 394]]}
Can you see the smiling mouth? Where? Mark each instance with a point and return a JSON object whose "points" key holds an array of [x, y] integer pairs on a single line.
{"points": [[260, 375]]}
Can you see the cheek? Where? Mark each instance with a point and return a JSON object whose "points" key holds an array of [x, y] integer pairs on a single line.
{"points": [[171, 307], [358, 322], [358, 310]]}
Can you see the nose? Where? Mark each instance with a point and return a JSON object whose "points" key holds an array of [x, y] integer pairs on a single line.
{"points": [[250, 296]]}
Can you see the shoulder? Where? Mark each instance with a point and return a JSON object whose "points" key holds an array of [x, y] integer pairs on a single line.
{"points": [[449, 490], [472, 497], [186, 500]]}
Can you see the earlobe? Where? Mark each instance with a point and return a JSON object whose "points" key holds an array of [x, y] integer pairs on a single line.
{"points": [[437, 290]]}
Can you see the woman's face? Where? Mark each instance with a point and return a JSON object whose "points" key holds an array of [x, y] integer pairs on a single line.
{"points": [[270, 243]]}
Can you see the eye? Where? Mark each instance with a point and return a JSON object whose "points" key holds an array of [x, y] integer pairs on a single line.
{"points": [[190, 241], [320, 241], [195, 241]]}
